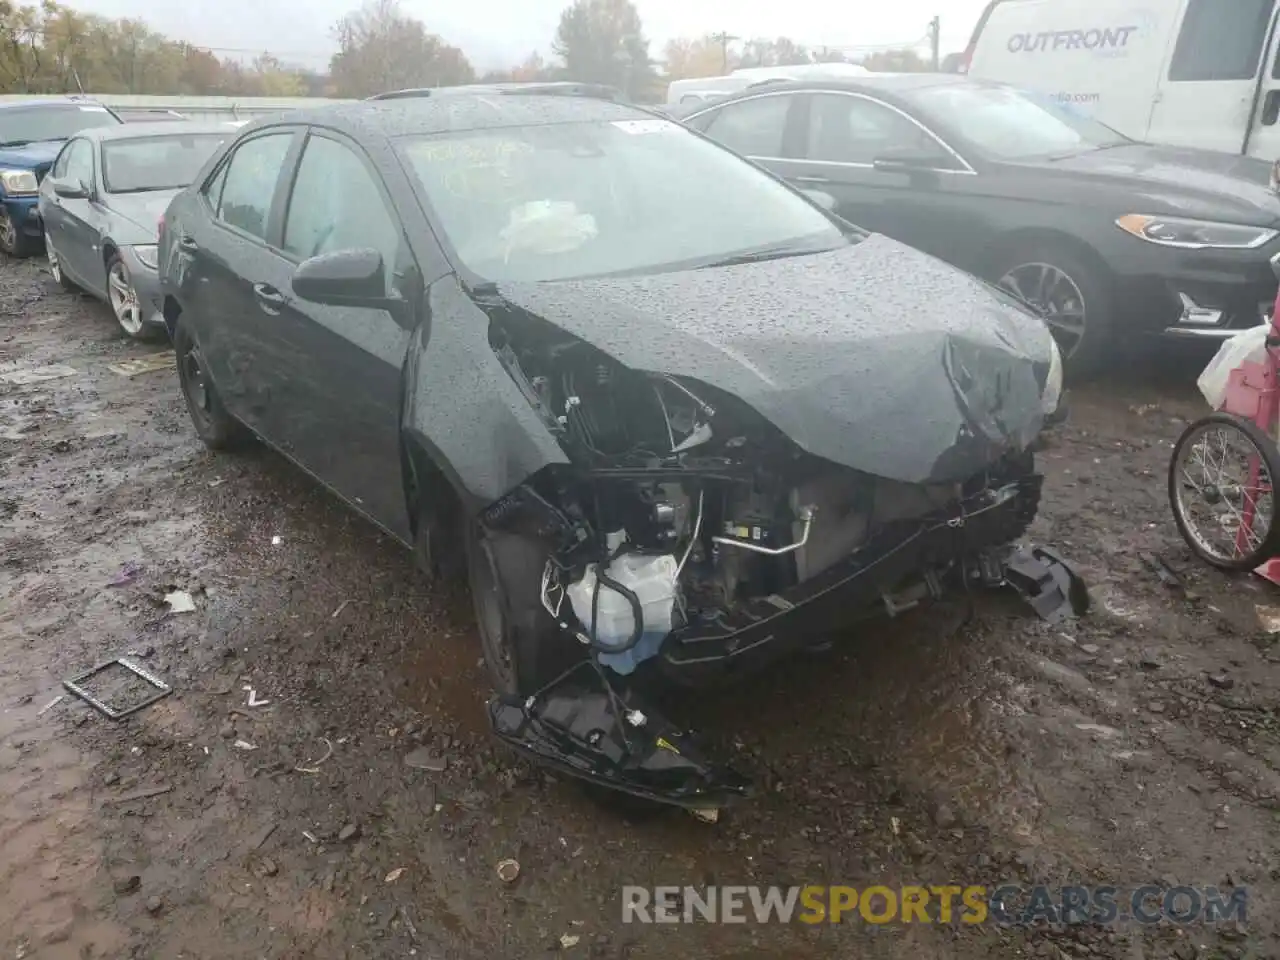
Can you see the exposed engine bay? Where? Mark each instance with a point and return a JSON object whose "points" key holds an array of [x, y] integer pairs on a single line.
{"points": [[686, 529]]}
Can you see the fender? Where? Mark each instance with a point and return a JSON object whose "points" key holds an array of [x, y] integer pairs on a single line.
{"points": [[462, 407]]}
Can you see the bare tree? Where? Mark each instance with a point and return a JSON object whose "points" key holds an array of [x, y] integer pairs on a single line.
{"points": [[383, 48]]}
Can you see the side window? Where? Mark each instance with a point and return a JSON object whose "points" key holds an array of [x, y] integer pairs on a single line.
{"points": [[336, 205], [1221, 41], [753, 128], [79, 162], [60, 165], [213, 189], [854, 130], [250, 183]]}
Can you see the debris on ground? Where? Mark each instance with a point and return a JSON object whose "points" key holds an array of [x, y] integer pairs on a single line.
{"points": [[144, 794], [568, 940], [244, 745], [180, 601], [264, 867], [158, 688], [350, 832], [253, 700], [149, 364], [313, 766], [124, 886], [426, 759], [22, 378], [126, 575], [50, 705], [395, 875], [508, 870]]}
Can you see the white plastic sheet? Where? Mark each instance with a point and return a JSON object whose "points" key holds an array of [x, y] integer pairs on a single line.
{"points": [[1247, 345]]}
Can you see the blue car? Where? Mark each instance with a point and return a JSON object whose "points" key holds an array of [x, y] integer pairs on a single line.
{"points": [[31, 134]]}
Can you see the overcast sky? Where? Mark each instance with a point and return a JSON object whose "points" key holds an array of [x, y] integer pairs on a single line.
{"points": [[496, 33]]}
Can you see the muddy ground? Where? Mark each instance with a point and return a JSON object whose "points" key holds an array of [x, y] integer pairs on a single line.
{"points": [[1139, 744]]}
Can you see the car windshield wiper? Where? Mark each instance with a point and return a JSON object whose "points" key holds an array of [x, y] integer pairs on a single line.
{"points": [[768, 253], [15, 143]]}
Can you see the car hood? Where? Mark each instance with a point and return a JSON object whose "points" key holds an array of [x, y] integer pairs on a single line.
{"points": [[143, 211], [874, 356], [1179, 180], [31, 155]]}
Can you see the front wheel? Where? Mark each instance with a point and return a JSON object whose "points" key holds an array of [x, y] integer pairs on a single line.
{"points": [[1222, 491], [1072, 295], [126, 304], [13, 241], [523, 647]]}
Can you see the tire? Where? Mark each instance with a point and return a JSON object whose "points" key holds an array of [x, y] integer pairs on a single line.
{"points": [[15, 244], [214, 426], [55, 268], [1088, 353], [124, 303], [1268, 541], [523, 647]]}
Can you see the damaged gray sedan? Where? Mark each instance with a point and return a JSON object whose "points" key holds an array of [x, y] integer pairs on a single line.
{"points": [[668, 417]]}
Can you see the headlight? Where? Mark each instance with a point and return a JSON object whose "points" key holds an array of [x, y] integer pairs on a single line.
{"points": [[148, 255], [19, 183], [1194, 234], [1052, 395]]}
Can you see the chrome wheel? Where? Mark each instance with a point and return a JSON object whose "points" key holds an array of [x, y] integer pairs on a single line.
{"points": [[55, 268], [1223, 492], [124, 300], [1055, 296]]}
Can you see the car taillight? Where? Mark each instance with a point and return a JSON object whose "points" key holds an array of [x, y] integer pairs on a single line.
{"points": [[160, 229]]}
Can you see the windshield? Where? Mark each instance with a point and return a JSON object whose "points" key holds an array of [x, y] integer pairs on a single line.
{"points": [[156, 163], [1014, 124], [560, 201], [22, 125]]}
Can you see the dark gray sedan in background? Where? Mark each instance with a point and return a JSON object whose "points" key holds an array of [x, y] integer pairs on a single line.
{"points": [[1108, 238], [101, 205]]}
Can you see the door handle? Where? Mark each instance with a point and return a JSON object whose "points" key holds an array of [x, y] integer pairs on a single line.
{"points": [[269, 297], [812, 179], [1271, 108]]}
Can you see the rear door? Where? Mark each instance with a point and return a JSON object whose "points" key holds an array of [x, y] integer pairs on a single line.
{"points": [[1209, 93], [334, 373], [227, 262]]}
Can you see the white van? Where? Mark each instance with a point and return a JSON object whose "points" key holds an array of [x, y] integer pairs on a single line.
{"points": [[1197, 73], [712, 88]]}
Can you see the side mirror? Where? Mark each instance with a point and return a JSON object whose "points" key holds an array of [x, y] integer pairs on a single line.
{"points": [[350, 278], [823, 199], [70, 189]]}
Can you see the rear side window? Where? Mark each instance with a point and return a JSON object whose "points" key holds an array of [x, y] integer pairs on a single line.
{"points": [[1221, 41], [250, 183], [753, 128]]}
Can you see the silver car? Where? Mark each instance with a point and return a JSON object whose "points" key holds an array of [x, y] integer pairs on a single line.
{"points": [[101, 205]]}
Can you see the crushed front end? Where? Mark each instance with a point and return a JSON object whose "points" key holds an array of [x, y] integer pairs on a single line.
{"points": [[689, 538]]}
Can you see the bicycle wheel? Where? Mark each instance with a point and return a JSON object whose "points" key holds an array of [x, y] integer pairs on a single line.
{"points": [[1222, 490]]}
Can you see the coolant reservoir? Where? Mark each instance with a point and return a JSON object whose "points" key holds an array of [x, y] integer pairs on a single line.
{"points": [[652, 580]]}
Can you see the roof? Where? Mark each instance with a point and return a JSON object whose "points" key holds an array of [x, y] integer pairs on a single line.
{"points": [[70, 101], [874, 83], [568, 87], [457, 112], [157, 128]]}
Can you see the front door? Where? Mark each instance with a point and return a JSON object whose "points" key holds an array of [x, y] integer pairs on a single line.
{"points": [[334, 373], [72, 223]]}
